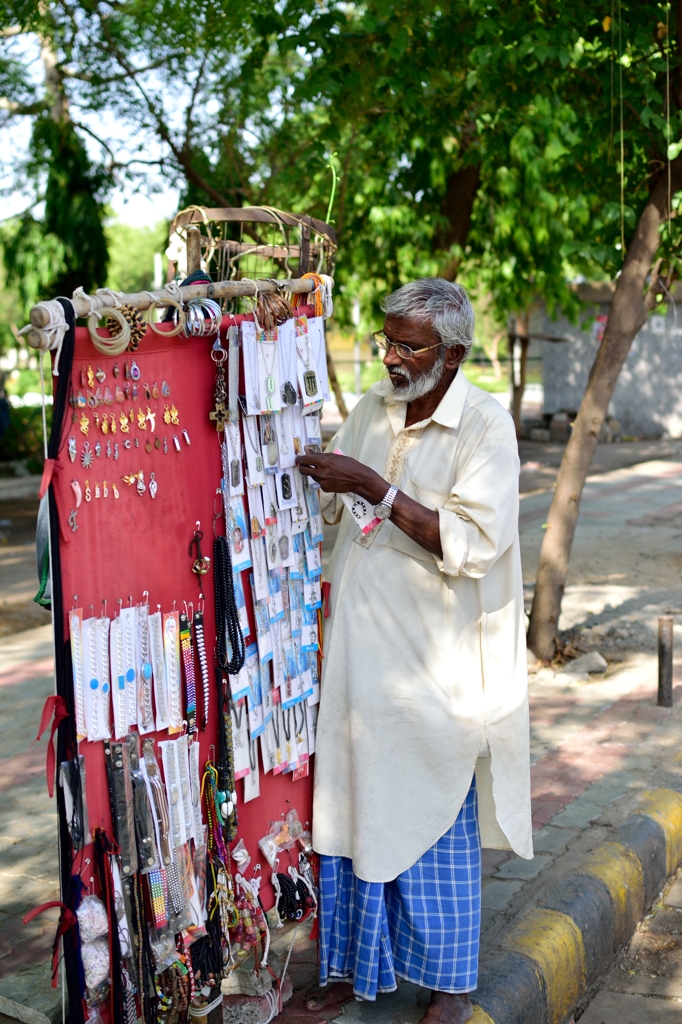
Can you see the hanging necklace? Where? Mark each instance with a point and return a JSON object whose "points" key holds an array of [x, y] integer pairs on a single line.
{"points": [[238, 718], [131, 695], [120, 679], [104, 640], [269, 370], [76, 637], [309, 376], [286, 725], [146, 670], [94, 682], [254, 444], [277, 734], [299, 731], [269, 439], [235, 465]]}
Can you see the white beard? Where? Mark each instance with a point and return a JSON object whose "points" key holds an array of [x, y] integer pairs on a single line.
{"points": [[421, 386]]}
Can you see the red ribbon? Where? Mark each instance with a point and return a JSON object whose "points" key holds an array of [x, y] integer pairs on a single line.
{"points": [[54, 706], [48, 470], [67, 919]]}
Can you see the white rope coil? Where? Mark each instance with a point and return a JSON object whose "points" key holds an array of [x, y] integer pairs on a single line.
{"points": [[52, 335]]}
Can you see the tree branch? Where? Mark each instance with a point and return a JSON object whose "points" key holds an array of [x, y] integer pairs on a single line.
{"points": [[23, 109]]}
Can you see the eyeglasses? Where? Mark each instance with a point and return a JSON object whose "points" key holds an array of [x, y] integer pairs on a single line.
{"points": [[402, 351]]}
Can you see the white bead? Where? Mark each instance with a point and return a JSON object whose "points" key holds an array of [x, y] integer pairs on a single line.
{"points": [[230, 807], [225, 810]]}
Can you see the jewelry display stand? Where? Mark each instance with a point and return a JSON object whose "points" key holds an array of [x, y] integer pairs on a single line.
{"points": [[135, 502]]}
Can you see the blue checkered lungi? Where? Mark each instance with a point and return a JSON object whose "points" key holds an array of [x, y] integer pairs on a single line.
{"points": [[424, 926]]}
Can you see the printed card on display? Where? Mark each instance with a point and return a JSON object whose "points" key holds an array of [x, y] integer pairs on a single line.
{"points": [[129, 624], [289, 739], [240, 601], [255, 466], [290, 687], [272, 552], [269, 443], [255, 697], [309, 631], [183, 769], [263, 635], [300, 734], [277, 654], [266, 692], [316, 335], [76, 639], [285, 539], [284, 425], [171, 645], [171, 774], [260, 571], [308, 377], [314, 697], [250, 360], [252, 780], [287, 362], [96, 698], [238, 532], [316, 526], [298, 569], [270, 500], [304, 674], [276, 605], [312, 593], [159, 670], [311, 719], [313, 429], [298, 430], [239, 684], [267, 364], [267, 747], [312, 554], [287, 498], [240, 738], [231, 452], [296, 606]]}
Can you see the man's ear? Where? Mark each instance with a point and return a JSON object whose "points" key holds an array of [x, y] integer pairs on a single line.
{"points": [[454, 356]]}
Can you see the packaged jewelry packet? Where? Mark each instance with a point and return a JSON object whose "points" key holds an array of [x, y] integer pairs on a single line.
{"points": [[361, 510]]}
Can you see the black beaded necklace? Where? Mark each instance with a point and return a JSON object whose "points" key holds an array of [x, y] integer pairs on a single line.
{"points": [[228, 627]]}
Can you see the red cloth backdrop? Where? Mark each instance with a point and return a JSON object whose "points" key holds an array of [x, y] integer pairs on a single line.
{"points": [[125, 546]]}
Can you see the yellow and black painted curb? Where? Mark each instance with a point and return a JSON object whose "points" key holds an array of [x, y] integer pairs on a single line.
{"points": [[559, 947]]}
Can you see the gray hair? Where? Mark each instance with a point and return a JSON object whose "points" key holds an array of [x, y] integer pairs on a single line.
{"points": [[443, 303]]}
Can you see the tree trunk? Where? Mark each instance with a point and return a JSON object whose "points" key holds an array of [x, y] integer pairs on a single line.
{"points": [[334, 381], [518, 343], [629, 309], [458, 202], [493, 354]]}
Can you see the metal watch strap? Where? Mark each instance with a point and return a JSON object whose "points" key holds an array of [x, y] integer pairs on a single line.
{"points": [[388, 499]]}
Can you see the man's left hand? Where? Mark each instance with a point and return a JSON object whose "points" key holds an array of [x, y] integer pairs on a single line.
{"points": [[340, 474]]}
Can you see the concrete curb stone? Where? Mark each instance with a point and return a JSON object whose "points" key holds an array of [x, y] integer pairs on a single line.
{"points": [[559, 948]]}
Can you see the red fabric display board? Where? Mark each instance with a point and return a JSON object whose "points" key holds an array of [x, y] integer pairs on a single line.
{"points": [[129, 547]]}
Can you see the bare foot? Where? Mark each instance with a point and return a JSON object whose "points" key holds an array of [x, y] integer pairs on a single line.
{"points": [[448, 1009], [331, 996]]}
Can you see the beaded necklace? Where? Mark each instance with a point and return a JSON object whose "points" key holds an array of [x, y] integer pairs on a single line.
{"points": [[203, 665], [146, 668]]}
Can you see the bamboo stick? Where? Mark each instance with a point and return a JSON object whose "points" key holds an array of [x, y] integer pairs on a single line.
{"points": [[159, 298]]}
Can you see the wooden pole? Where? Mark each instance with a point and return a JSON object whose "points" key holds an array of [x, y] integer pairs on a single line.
{"points": [[193, 250]]}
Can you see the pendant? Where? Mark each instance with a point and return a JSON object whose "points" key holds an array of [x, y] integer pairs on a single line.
{"points": [[87, 493], [115, 370], [186, 437], [176, 442], [235, 474], [298, 450], [273, 551], [148, 447], [105, 425], [268, 403], [284, 547], [155, 390], [135, 392], [286, 486], [113, 424], [134, 371], [288, 393], [108, 449], [153, 486], [259, 464], [175, 416], [278, 756], [86, 457], [98, 449], [91, 400], [165, 390], [270, 385], [272, 453], [108, 397], [100, 375], [115, 451], [255, 528], [80, 402], [123, 422], [118, 394], [141, 488], [151, 419], [141, 420], [105, 490], [99, 398], [165, 446], [147, 392], [91, 377], [157, 443], [72, 449], [310, 381], [96, 489], [166, 414]]}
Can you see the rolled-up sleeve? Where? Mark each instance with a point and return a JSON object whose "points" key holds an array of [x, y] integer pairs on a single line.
{"points": [[480, 519]]}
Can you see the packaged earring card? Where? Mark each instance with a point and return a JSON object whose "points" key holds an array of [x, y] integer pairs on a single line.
{"points": [[186, 686]]}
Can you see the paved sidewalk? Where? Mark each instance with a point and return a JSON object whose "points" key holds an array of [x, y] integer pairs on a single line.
{"points": [[28, 822]]}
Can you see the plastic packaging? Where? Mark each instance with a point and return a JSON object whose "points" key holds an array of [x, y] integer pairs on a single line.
{"points": [[92, 919]]}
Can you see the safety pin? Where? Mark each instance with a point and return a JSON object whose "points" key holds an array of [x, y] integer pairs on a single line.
{"points": [[174, 604], [211, 751], [91, 607], [130, 600], [120, 605], [145, 594], [200, 605], [75, 598], [104, 607]]}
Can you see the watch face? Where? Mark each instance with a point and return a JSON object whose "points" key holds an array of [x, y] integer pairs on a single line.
{"points": [[382, 511]]}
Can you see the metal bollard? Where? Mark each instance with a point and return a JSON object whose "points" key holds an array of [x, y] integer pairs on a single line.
{"points": [[665, 661]]}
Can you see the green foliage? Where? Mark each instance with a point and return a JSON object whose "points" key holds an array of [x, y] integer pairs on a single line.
{"points": [[33, 259], [23, 439], [131, 255]]}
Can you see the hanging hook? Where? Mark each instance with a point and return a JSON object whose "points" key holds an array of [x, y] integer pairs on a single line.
{"points": [[217, 509], [104, 607], [120, 605], [130, 600], [145, 594], [75, 598], [91, 608], [211, 752]]}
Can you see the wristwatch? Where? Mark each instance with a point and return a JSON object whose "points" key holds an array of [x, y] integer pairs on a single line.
{"points": [[385, 507]]}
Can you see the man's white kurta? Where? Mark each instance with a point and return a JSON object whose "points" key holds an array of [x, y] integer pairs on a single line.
{"points": [[425, 658]]}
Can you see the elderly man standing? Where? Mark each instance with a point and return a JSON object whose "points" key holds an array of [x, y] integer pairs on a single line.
{"points": [[422, 742]]}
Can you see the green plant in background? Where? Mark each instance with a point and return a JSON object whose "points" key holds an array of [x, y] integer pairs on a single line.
{"points": [[131, 254], [23, 439]]}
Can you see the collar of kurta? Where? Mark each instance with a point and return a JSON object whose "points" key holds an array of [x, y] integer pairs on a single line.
{"points": [[448, 413]]}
